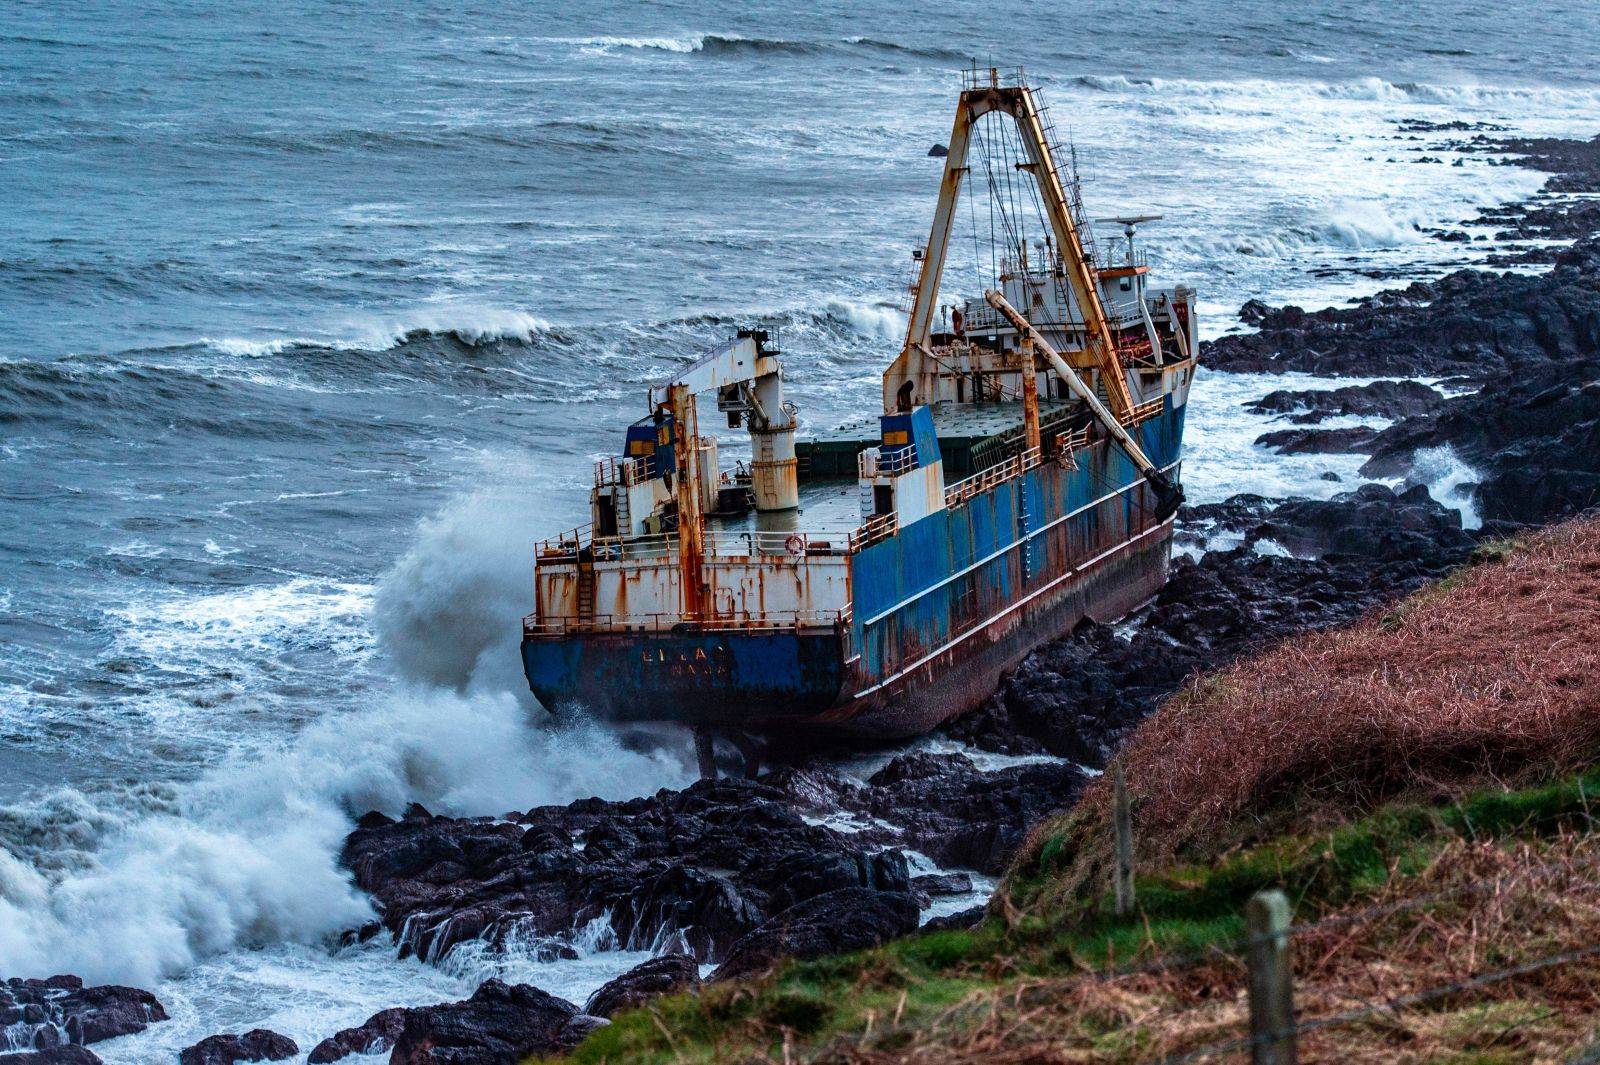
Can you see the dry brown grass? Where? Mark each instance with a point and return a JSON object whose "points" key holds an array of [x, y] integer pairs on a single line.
{"points": [[1499, 907], [1492, 675]]}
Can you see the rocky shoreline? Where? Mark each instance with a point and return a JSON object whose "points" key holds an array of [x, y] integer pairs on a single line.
{"points": [[723, 878]]}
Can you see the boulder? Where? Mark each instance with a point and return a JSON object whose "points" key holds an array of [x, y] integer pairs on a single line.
{"points": [[1352, 440], [658, 976], [1383, 399], [501, 1024], [963, 919], [1475, 324], [710, 863], [963, 817], [374, 1035], [835, 923], [256, 1045], [66, 1054], [38, 1010]]}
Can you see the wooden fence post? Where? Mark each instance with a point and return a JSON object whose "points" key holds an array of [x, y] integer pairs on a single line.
{"points": [[1271, 979], [1123, 818]]}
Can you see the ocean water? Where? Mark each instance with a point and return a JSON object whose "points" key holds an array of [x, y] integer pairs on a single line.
{"points": [[311, 317]]}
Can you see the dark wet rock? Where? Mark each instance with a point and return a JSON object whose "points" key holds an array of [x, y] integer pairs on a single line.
{"points": [[835, 923], [1351, 440], [256, 1045], [963, 817], [501, 1024], [937, 884], [1532, 440], [1472, 323], [1529, 433], [938, 151], [374, 1035], [1373, 523], [1383, 399], [66, 1054], [659, 976], [1478, 324], [968, 918], [61, 1005], [1077, 697], [1418, 125], [1199, 526], [709, 863], [701, 867]]}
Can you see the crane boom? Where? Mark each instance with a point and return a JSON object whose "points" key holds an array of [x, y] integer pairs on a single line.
{"points": [[1170, 494]]}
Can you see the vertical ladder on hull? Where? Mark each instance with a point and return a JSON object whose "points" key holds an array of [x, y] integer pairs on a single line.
{"points": [[1024, 521], [585, 590]]}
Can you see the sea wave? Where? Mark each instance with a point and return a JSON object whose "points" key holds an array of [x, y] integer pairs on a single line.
{"points": [[251, 856], [248, 854], [1368, 88], [714, 44]]}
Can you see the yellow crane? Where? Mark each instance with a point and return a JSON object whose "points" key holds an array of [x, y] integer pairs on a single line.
{"points": [[911, 378]]}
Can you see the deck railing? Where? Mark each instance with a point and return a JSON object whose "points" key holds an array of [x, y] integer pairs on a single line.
{"points": [[750, 543], [1144, 412], [874, 529], [780, 621], [793, 543], [983, 480], [624, 471], [874, 462]]}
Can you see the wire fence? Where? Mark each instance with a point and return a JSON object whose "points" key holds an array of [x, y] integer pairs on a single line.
{"points": [[1236, 950]]}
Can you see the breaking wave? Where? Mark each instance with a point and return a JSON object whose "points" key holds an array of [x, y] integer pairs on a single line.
{"points": [[248, 854], [731, 44], [1369, 88], [1450, 481], [251, 855]]}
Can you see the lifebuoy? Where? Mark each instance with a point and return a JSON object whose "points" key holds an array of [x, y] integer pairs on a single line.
{"points": [[795, 544]]}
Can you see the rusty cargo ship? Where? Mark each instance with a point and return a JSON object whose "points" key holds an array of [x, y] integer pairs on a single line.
{"points": [[878, 579]]}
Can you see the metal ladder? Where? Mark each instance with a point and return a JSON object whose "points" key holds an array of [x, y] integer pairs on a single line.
{"points": [[585, 590], [1067, 171]]}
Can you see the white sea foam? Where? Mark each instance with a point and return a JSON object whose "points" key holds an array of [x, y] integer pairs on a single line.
{"points": [[1272, 549], [264, 619], [1367, 89], [247, 855], [684, 44], [256, 349], [1450, 481], [1221, 459], [471, 323], [251, 856], [871, 319], [449, 607]]}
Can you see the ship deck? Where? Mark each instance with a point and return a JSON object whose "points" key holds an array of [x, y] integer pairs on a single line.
{"points": [[968, 434], [831, 505]]}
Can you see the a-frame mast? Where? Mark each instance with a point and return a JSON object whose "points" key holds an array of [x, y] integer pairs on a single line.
{"points": [[915, 364]]}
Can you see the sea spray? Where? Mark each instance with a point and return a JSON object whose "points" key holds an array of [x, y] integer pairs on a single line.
{"points": [[456, 596], [1449, 480], [252, 857]]}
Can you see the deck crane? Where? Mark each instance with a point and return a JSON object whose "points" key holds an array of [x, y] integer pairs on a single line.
{"points": [[1168, 493], [911, 378], [749, 384]]}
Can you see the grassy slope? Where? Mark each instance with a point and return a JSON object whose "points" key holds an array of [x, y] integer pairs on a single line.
{"points": [[1442, 750]]}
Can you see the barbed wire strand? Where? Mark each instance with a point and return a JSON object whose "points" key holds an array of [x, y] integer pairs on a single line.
{"points": [[1393, 1005], [1232, 948]]}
